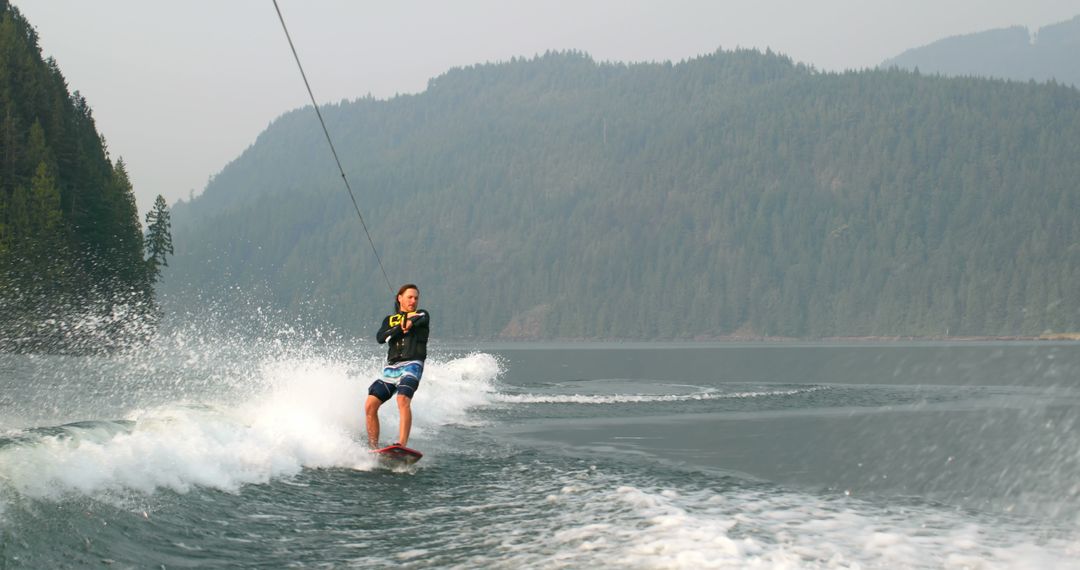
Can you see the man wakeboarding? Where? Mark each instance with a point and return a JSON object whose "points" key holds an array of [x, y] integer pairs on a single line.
{"points": [[406, 333]]}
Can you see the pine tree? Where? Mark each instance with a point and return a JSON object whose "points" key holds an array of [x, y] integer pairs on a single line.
{"points": [[158, 239], [125, 242]]}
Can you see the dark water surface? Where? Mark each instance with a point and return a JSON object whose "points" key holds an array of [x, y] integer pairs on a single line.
{"points": [[200, 453]]}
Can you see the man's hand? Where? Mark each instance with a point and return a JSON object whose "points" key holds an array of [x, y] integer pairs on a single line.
{"points": [[406, 324]]}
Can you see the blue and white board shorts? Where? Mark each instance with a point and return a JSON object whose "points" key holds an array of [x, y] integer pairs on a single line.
{"points": [[400, 377]]}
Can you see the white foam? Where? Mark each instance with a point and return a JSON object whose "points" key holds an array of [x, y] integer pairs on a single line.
{"points": [[304, 413], [449, 390], [626, 526]]}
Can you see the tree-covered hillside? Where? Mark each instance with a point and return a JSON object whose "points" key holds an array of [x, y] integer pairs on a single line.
{"points": [[735, 193], [1014, 53], [70, 240]]}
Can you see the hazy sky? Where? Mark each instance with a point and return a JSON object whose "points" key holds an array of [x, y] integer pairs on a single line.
{"points": [[179, 89]]}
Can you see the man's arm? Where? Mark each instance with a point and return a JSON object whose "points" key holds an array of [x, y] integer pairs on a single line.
{"points": [[388, 331], [418, 318]]}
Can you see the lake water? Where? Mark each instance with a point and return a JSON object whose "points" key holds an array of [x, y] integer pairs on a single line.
{"points": [[202, 452]]}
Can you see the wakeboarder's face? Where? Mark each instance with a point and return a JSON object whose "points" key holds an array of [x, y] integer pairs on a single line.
{"points": [[408, 300]]}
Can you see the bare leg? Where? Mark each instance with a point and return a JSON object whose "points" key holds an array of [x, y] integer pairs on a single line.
{"points": [[404, 406], [371, 411]]}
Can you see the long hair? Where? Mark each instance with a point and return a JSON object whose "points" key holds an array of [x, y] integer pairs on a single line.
{"points": [[400, 292]]}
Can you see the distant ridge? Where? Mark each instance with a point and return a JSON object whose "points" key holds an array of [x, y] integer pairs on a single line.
{"points": [[1006, 53], [737, 194]]}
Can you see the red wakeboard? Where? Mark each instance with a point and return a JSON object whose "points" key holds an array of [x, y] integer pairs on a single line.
{"points": [[398, 454]]}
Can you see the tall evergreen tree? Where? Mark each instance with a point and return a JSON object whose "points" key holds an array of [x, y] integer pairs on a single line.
{"points": [[158, 239]]}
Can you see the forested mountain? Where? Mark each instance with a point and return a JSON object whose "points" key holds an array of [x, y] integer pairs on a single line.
{"points": [[71, 246], [1007, 53], [735, 193]]}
